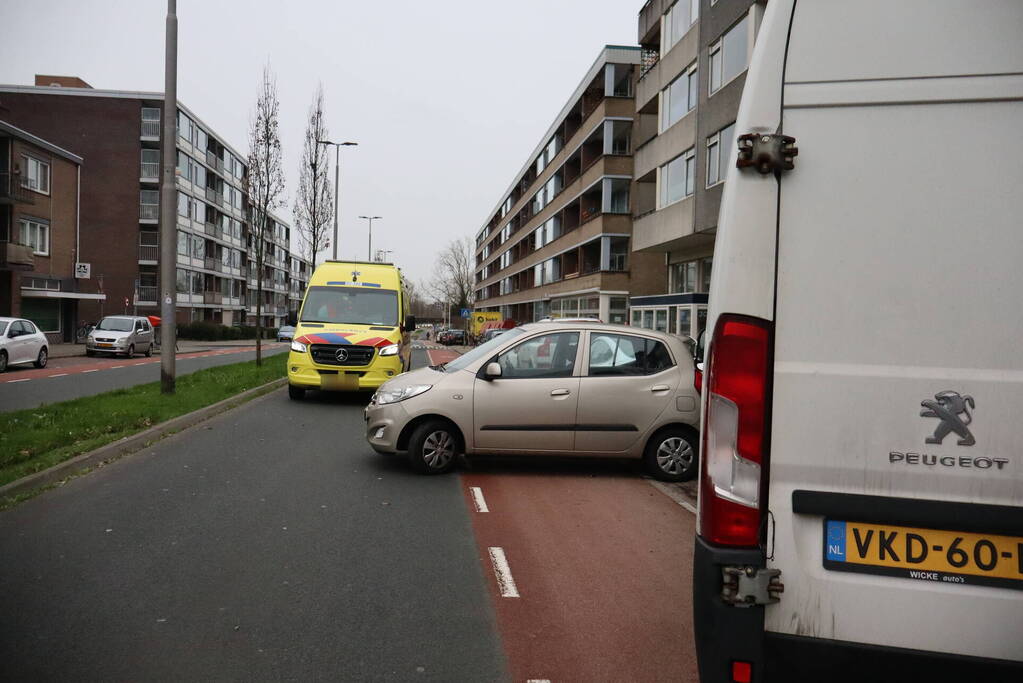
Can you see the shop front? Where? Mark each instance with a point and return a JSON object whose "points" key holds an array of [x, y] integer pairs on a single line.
{"points": [[682, 314]]}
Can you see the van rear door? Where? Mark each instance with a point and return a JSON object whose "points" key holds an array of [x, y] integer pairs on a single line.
{"points": [[896, 472]]}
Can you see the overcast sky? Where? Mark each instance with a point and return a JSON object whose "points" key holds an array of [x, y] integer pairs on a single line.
{"points": [[445, 98]]}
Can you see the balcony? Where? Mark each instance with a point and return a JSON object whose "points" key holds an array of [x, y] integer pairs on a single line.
{"points": [[151, 130], [16, 257], [11, 191], [212, 298], [149, 212], [148, 294], [150, 172], [149, 253]]}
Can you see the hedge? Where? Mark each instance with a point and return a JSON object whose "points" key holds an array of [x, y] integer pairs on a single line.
{"points": [[206, 331]]}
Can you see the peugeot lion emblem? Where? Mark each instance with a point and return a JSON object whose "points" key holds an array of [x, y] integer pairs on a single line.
{"points": [[341, 355], [949, 406]]}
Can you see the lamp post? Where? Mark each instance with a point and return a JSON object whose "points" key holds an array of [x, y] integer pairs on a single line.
{"points": [[382, 254], [369, 252], [337, 182]]}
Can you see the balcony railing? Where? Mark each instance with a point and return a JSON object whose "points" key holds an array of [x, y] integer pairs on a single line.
{"points": [[149, 211], [212, 298], [11, 190], [151, 170], [147, 293], [150, 129], [16, 256], [149, 252], [648, 60]]}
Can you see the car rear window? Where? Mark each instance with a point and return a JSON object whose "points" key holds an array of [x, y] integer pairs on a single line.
{"points": [[622, 354]]}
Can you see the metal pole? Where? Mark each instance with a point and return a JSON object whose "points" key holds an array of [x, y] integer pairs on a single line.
{"points": [[168, 204], [369, 250], [337, 193]]}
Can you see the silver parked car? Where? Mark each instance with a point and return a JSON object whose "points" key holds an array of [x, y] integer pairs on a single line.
{"points": [[117, 334], [21, 342], [559, 388], [285, 333]]}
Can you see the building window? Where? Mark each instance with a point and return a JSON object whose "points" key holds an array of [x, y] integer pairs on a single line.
{"points": [[677, 21], [677, 178], [36, 174], [729, 56], [679, 98], [619, 254], [682, 277], [45, 313], [705, 266], [720, 154], [546, 157], [36, 234]]}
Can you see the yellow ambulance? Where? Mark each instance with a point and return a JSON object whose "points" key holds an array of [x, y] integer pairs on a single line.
{"points": [[352, 331]]}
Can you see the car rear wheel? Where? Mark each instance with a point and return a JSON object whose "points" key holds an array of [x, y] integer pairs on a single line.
{"points": [[671, 455], [295, 393], [433, 447], [41, 358], [3, 361]]}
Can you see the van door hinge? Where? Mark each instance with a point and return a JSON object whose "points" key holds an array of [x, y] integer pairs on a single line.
{"points": [[748, 586], [766, 152]]}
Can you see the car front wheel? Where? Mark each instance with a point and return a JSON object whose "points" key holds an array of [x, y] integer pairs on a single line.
{"points": [[131, 351], [295, 393], [41, 358], [433, 447], [671, 455], [149, 350]]}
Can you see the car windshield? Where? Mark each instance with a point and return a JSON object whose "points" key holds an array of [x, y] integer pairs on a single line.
{"points": [[483, 350], [355, 305], [116, 324]]}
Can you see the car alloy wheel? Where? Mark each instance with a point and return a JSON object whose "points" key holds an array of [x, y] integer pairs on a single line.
{"points": [[438, 450], [3, 361], [41, 359], [433, 446], [671, 455], [131, 351]]}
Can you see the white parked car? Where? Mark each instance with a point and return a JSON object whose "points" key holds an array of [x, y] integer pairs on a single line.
{"points": [[21, 342]]}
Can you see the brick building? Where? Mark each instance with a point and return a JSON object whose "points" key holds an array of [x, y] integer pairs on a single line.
{"points": [[39, 234], [558, 242], [119, 133]]}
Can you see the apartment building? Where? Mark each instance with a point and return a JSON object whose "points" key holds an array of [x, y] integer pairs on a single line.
{"points": [[285, 275], [558, 243], [694, 59], [119, 133], [39, 236]]}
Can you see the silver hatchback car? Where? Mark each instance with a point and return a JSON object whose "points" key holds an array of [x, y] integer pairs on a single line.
{"points": [[558, 388], [117, 334]]}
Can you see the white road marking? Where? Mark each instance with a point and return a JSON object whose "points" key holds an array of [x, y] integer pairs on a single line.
{"points": [[114, 367], [478, 500], [502, 571], [63, 374], [85, 371], [539, 680], [13, 381]]}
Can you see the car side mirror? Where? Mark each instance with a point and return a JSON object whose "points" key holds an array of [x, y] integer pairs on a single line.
{"points": [[493, 371], [410, 323]]}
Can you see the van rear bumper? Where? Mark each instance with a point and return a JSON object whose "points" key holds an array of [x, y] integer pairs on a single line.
{"points": [[799, 658], [725, 634]]}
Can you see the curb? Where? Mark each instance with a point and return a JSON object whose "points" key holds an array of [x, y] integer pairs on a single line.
{"points": [[136, 442]]}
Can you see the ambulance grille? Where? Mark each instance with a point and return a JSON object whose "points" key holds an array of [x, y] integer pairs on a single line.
{"points": [[326, 354]]}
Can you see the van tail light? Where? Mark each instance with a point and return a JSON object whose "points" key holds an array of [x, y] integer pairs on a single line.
{"points": [[735, 425]]}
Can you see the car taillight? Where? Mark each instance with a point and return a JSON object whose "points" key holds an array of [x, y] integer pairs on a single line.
{"points": [[698, 381], [735, 430]]}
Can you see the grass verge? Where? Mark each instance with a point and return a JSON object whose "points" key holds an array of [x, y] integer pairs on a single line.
{"points": [[35, 439]]}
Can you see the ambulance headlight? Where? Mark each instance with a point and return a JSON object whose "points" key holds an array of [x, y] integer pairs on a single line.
{"points": [[298, 346], [390, 350]]}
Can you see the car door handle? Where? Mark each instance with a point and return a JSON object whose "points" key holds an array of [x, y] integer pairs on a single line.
{"points": [[560, 392], [660, 387]]}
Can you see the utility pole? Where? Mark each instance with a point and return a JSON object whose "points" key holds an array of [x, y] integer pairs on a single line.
{"points": [[168, 204], [369, 250]]}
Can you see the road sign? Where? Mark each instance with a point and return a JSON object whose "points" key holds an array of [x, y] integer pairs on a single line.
{"points": [[466, 313], [83, 271]]}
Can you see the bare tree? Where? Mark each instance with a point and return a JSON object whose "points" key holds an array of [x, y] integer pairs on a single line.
{"points": [[314, 201], [264, 183], [452, 281]]}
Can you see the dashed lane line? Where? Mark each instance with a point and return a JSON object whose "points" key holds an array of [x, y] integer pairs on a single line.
{"points": [[13, 381], [505, 581], [478, 500], [63, 374]]}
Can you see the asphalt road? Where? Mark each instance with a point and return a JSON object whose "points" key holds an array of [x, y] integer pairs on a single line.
{"points": [[66, 378], [268, 544]]}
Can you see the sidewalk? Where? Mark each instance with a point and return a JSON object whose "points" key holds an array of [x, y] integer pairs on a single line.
{"points": [[185, 346]]}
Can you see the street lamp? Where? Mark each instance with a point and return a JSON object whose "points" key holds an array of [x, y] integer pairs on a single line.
{"points": [[369, 252], [382, 254], [337, 181]]}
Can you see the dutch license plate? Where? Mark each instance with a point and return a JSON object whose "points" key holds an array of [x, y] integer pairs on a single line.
{"points": [[104, 345], [924, 554]]}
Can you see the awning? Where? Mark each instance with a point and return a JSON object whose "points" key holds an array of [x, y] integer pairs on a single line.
{"points": [[51, 294]]}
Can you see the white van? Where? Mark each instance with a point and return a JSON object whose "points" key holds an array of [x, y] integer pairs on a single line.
{"points": [[861, 481]]}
